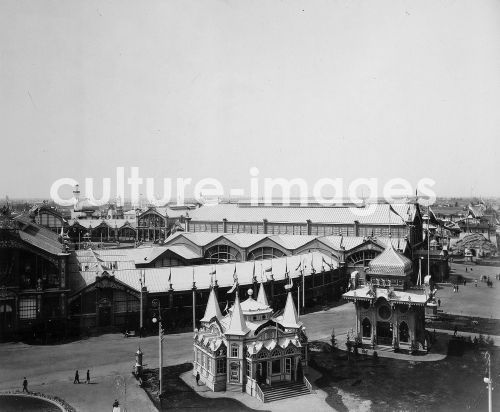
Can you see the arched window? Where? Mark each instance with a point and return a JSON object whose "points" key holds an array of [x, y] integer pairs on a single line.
{"points": [[275, 353], [262, 354], [361, 258], [290, 351], [404, 334], [221, 254], [265, 253], [367, 328]]}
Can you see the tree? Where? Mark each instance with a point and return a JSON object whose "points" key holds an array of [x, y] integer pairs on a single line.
{"points": [[333, 339]]}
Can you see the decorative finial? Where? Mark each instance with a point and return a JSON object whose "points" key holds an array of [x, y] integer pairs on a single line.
{"points": [[250, 292]]}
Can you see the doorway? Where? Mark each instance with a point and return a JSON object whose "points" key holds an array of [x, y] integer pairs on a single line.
{"points": [[384, 333]]}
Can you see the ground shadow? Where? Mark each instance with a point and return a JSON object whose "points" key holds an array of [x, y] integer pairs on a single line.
{"points": [[179, 396]]}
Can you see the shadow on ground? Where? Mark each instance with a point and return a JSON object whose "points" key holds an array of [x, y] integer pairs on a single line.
{"points": [[179, 396]]}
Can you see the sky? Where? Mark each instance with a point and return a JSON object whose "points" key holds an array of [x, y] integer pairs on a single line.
{"points": [[211, 88]]}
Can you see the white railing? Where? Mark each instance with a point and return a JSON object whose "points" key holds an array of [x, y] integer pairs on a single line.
{"points": [[260, 394], [308, 384]]}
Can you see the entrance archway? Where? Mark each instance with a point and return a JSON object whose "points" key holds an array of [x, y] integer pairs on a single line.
{"points": [[384, 333]]}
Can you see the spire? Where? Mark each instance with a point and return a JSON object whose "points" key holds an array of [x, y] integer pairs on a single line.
{"points": [[290, 318], [262, 298], [237, 325], [212, 310]]}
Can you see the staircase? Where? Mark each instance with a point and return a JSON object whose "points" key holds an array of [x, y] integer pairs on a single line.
{"points": [[284, 390]]}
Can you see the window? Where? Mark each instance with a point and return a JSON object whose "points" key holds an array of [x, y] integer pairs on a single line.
{"points": [[249, 370], [384, 312], [265, 253], [367, 328], [222, 253], [27, 308], [234, 351], [288, 365], [235, 372], [221, 366]]}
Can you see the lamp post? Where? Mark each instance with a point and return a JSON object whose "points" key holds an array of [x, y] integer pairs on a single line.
{"points": [[488, 381], [142, 281], [156, 303]]}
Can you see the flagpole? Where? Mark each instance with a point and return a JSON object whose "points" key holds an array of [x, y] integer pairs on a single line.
{"points": [[194, 303], [428, 239]]}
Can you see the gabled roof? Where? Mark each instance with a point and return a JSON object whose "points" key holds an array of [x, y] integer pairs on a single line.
{"points": [[212, 310], [290, 318], [237, 325], [390, 262], [39, 236]]}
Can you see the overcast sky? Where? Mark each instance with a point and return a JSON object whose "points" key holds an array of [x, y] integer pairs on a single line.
{"points": [[209, 88]]}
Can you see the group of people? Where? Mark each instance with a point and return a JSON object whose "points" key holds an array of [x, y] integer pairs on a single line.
{"points": [[77, 377]]}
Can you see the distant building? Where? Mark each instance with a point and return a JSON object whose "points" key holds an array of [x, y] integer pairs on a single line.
{"points": [[374, 220], [250, 348], [47, 216]]}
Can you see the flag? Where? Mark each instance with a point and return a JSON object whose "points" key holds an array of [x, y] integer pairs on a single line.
{"points": [[235, 281], [170, 276], [193, 274], [253, 273], [396, 213], [287, 274], [232, 288]]}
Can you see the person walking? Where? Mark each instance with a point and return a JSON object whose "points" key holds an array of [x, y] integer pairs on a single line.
{"points": [[25, 384], [465, 282], [77, 378], [197, 378], [439, 302], [88, 377]]}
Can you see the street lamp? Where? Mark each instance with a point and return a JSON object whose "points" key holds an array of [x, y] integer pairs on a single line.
{"points": [[142, 281], [156, 304], [488, 381]]}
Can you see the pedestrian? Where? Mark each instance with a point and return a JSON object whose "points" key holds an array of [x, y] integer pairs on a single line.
{"points": [[475, 283], [439, 302], [88, 376], [197, 378], [457, 287], [25, 384], [77, 378], [465, 282]]}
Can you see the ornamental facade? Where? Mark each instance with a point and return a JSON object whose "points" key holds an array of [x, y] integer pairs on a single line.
{"points": [[390, 311], [249, 348]]}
